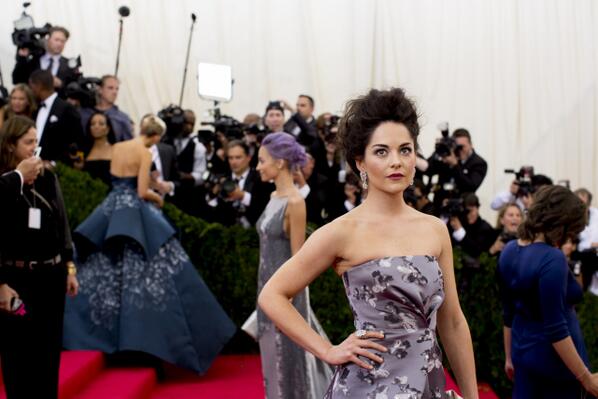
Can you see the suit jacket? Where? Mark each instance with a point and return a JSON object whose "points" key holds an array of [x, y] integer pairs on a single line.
{"points": [[62, 132], [170, 170], [25, 66], [227, 214]]}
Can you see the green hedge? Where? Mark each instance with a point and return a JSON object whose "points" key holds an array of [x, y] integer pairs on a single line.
{"points": [[227, 259]]}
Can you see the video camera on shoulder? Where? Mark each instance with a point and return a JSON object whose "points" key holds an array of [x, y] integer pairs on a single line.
{"points": [[523, 178], [446, 144], [174, 118], [84, 90], [26, 35]]}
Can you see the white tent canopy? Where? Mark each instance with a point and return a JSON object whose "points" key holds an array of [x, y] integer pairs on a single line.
{"points": [[521, 76]]}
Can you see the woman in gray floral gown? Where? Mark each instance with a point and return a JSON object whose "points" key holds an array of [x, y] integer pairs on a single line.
{"points": [[396, 265], [289, 371]]}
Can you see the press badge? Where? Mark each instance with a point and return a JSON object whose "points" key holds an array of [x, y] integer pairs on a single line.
{"points": [[35, 218]]}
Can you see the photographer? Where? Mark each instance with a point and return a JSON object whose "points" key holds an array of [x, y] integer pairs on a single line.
{"points": [[302, 123], [29, 60], [191, 161], [588, 243], [509, 218], [521, 190], [459, 168], [468, 230], [240, 197], [106, 102]]}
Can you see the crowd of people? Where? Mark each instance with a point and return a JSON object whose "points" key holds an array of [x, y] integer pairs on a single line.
{"points": [[357, 177]]}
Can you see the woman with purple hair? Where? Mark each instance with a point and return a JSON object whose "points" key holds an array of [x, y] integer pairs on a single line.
{"points": [[289, 371]]}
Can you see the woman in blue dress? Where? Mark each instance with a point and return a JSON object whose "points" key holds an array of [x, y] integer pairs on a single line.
{"points": [[545, 353], [139, 290]]}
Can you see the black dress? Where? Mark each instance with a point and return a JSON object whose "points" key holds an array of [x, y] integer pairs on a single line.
{"points": [[99, 169]]}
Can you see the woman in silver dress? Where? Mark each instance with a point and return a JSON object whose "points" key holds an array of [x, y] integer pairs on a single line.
{"points": [[397, 267], [289, 371]]}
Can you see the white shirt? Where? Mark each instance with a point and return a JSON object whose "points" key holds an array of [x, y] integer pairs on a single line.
{"points": [[199, 156], [42, 115], [590, 233], [242, 179], [503, 198], [44, 62]]}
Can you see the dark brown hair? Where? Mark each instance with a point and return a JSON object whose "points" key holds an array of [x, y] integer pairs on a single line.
{"points": [[60, 29], [12, 130], [557, 213], [364, 114]]}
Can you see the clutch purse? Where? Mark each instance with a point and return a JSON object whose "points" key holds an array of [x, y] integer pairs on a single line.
{"points": [[450, 394]]}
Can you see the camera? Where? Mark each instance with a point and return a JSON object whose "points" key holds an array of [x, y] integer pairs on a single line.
{"points": [[446, 144], [174, 118], [26, 35], [523, 178], [506, 236], [84, 90], [331, 128], [454, 207], [224, 182]]}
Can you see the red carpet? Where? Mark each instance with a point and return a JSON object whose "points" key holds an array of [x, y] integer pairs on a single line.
{"points": [[83, 375]]}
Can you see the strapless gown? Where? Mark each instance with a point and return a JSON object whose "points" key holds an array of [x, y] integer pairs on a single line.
{"points": [[399, 296], [138, 288]]}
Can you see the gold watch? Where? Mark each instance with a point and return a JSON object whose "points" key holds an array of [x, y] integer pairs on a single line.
{"points": [[71, 268]]}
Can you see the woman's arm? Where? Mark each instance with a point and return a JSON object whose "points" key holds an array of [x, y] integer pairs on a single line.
{"points": [[297, 221], [143, 180], [452, 326], [506, 332], [552, 287], [318, 253]]}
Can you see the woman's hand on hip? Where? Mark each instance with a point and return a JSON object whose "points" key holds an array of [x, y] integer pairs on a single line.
{"points": [[356, 344]]}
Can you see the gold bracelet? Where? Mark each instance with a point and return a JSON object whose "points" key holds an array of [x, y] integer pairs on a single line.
{"points": [[71, 269]]}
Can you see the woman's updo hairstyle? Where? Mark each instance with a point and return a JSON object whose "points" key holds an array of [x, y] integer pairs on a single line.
{"points": [[365, 113], [557, 213], [282, 145]]}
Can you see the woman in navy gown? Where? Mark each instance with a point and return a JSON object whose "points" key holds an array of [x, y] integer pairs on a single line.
{"points": [[545, 353], [139, 290]]}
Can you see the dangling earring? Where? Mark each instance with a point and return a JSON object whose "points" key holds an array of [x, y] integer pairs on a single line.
{"points": [[364, 179]]}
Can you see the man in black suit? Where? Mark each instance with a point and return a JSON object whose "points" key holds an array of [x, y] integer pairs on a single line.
{"points": [[247, 197], [11, 184], [52, 60], [59, 130], [165, 173], [462, 171]]}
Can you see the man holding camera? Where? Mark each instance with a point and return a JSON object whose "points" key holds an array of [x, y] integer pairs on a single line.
{"points": [[459, 168], [242, 197], [469, 231], [302, 123], [52, 60], [106, 103]]}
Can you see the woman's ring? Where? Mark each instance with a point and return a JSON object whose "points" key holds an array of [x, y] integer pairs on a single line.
{"points": [[360, 333]]}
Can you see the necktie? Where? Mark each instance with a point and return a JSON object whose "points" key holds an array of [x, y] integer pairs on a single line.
{"points": [[50, 65]]}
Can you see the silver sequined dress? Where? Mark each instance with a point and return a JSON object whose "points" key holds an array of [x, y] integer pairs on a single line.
{"points": [[289, 371]]}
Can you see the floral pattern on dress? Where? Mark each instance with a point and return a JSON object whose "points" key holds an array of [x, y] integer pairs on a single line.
{"points": [[399, 296], [132, 279]]}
